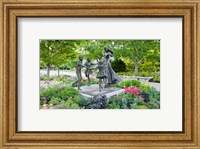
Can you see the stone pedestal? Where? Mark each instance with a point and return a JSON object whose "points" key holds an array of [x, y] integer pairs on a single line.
{"points": [[87, 92]]}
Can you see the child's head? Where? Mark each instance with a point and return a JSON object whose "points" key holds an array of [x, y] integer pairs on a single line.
{"points": [[88, 59], [80, 57]]}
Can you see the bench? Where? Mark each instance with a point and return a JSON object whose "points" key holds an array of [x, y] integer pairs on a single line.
{"points": [[139, 78]]}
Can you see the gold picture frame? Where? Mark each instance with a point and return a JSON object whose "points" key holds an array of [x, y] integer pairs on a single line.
{"points": [[187, 9]]}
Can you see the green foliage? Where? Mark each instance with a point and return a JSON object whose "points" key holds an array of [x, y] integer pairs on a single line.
{"points": [[70, 104], [43, 77], [54, 100], [153, 93], [156, 77], [115, 102], [151, 97], [58, 95], [64, 67], [42, 65], [118, 65], [128, 83], [134, 106], [128, 54], [114, 105], [64, 77], [125, 101], [69, 93], [142, 107], [50, 92], [141, 52], [57, 52], [148, 98]]}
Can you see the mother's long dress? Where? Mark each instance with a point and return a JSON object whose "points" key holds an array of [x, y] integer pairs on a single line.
{"points": [[113, 78]]}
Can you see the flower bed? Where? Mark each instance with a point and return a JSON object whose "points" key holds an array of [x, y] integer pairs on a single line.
{"points": [[136, 96]]}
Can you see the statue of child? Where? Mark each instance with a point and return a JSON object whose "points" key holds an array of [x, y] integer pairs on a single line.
{"points": [[102, 75], [79, 66], [88, 70]]}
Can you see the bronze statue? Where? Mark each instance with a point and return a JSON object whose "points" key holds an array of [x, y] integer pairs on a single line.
{"points": [[79, 66], [88, 70], [106, 74], [102, 75], [113, 78]]}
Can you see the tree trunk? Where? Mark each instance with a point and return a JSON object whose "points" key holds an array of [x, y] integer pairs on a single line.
{"points": [[58, 73], [48, 71], [136, 62], [136, 67]]}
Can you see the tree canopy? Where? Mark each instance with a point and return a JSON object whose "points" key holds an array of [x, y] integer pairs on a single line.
{"points": [[138, 55]]}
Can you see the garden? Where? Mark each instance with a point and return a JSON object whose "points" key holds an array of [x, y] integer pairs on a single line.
{"points": [[62, 96], [130, 58]]}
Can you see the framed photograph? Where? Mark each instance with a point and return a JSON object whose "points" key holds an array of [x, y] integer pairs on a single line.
{"points": [[91, 74]]}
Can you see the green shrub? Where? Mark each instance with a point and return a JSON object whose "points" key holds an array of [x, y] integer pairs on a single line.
{"points": [[134, 106], [124, 101], [69, 93], [43, 77], [156, 77], [52, 78], [151, 97], [142, 107], [118, 65], [54, 94], [64, 77], [114, 105], [69, 98], [75, 106], [127, 83], [70, 104], [144, 74], [153, 93], [153, 105], [115, 102], [84, 103], [54, 100], [50, 92]]}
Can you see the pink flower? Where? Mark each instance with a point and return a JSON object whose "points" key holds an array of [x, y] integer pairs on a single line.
{"points": [[135, 91]]}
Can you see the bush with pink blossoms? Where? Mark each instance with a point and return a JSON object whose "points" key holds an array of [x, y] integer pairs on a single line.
{"points": [[135, 91]]}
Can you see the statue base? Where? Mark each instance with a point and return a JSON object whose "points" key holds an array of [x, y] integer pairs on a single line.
{"points": [[88, 92]]}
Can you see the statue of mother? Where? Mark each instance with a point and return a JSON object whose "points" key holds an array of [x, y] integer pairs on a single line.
{"points": [[113, 78]]}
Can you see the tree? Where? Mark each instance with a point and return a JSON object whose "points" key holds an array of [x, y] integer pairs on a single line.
{"points": [[138, 51], [138, 55], [57, 52]]}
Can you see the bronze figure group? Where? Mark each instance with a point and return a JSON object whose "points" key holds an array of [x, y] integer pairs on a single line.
{"points": [[106, 74]]}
